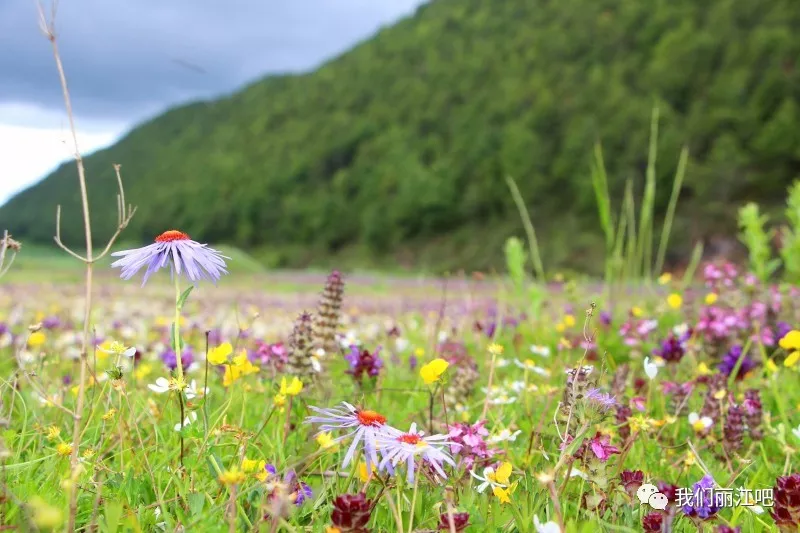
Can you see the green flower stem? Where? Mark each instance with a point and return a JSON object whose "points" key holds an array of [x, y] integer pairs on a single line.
{"points": [[176, 330]]}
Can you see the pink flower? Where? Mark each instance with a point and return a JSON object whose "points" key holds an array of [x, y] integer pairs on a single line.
{"points": [[601, 447]]}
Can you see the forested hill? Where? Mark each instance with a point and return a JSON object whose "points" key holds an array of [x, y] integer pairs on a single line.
{"points": [[399, 148]]}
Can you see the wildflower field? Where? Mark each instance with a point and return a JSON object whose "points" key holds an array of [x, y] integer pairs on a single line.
{"points": [[351, 404]]}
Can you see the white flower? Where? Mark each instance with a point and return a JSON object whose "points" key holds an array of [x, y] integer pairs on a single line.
{"points": [[316, 366], [488, 478], [191, 417], [548, 527], [442, 336], [542, 351], [503, 400], [578, 473], [191, 390], [796, 432], [349, 340], [530, 366], [117, 348], [161, 386], [700, 423], [680, 330], [651, 369], [501, 362], [319, 353], [505, 435], [401, 344]]}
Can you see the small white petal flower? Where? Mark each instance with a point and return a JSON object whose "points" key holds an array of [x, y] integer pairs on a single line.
{"points": [[547, 527], [191, 417], [796, 432], [699, 423], [161, 385], [651, 369], [504, 435]]}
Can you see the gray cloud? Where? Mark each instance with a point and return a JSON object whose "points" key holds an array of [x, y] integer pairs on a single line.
{"points": [[127, 58]]}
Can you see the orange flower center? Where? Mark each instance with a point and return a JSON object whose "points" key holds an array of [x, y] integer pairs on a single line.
{"points": [[409, 438], [370, 418], [172, 235]]}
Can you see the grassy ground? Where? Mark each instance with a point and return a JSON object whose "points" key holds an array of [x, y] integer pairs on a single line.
{"points": [[136, 472]]}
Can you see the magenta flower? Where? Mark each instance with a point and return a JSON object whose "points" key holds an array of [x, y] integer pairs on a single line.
{"points": [[194, 260], [468, 441], [601, 447]]}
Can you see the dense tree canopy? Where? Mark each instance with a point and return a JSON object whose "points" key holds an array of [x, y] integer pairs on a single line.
{"points": [[400, 146]]}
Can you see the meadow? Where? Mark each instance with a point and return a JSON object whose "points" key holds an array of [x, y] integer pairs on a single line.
{"points": [[479, 403]]}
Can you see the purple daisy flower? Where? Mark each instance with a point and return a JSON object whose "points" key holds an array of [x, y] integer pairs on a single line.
{"points": [[601, 400], [196, 261], [406, 447], [364, 425]]}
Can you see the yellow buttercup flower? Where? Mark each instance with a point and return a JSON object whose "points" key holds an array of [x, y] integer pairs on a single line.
{"points": [[234, 476], [255, 466], [36, 339], [664, 278], [560, 327], [674, 300], [496, 349], [502, 474], [703, 370], [432, 372], [293, 389], [419, 352], [280, 400], [219, 355], [569, 320], [711, 298], [636, 311], [790, 341], [363, 474], [326, 441], [63, 449]]}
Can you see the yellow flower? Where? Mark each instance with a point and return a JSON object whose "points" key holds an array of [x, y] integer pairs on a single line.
{"points": [[234, 476], [720, 394], [703, 370], [495, 349], [45, 516], [432, 372], [502, 474], [330, 529], [325, 441], [143, 371], [771, 366], [560, 327], [641, 423], [363, 474], [674, 300], [64, 449], [293, 389], [564, 343], [569, 320], [88, 453], [664, 278], [792, 359], [241, 367], [36, 339], [689, 460], [252, 466], [110, 414], [502, 494], [53, 432], [419, 352], [637, 311], [711, 298], [790, 341], [280, 400], [220, 354]]}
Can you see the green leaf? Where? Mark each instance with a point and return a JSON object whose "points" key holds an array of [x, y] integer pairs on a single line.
{"points": [[184, 296], [112, 514], [197, 501]]}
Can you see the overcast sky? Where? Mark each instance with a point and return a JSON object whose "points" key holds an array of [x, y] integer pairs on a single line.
{"points": [[127, 60]]}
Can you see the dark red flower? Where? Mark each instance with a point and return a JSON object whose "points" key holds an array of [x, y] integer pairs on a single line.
{"points": [[786, 508], [652, 522], [632, 480], [460, 521], [351, 512]]}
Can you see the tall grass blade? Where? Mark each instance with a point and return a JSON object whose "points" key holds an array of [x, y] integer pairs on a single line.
{"points": [[645, 245], [632, 266], [533, 244], [694, 262], [677, 183]]}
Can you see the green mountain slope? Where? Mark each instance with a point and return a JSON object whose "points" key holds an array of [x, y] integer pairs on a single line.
{"points": [[398, 149]]}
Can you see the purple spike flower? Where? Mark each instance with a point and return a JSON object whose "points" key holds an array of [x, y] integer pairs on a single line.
{"points": [[701, 503], [730, 359], [194, 260]]}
